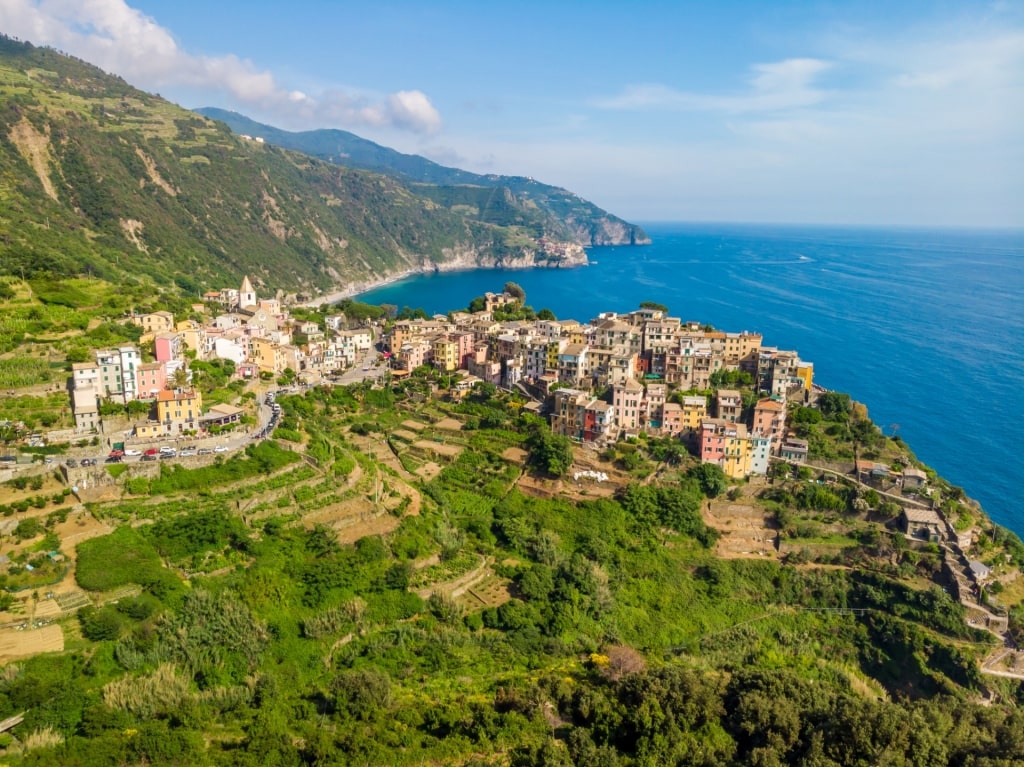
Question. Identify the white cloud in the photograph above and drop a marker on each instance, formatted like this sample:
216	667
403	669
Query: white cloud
123	40
413	110
777	85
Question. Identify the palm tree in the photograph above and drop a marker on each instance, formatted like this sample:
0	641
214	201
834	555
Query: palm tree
179	379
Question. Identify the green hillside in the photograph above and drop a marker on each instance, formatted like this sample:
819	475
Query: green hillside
100	179
421	591
576	218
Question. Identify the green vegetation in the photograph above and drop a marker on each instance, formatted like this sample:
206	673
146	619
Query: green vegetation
498	200
132	179
123	557
595	631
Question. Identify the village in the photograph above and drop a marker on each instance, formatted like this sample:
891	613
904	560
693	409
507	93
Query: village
610	378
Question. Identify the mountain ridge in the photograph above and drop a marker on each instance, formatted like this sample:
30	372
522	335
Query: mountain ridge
100	178
583	220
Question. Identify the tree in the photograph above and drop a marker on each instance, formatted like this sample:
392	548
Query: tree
361	693
516	291
179	379
408	313
484	390
653	305
549	452
835	406
806	415
546	314
712	479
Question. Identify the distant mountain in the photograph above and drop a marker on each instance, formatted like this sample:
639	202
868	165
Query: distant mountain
582	220
100	178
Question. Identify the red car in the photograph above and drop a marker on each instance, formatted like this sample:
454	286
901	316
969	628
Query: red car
151	451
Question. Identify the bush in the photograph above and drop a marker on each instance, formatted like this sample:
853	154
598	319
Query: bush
361	694
100	624
125	556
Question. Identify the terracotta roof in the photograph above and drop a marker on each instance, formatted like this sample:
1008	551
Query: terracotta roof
168	395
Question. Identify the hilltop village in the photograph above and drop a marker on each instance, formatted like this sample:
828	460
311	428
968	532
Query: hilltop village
613	377
722	397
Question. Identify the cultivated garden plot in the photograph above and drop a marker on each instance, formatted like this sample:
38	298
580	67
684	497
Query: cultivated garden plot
746	530
20	643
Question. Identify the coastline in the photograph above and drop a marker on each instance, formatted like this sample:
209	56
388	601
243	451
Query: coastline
357	288
366	286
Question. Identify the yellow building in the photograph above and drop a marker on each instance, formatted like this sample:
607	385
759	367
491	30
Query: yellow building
156	322
178	410
805	372
446	354
738	453
268	355
193	334
554	349
695	410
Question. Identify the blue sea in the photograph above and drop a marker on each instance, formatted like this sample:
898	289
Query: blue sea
925	327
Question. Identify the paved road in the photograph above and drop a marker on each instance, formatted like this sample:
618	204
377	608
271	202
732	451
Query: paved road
366	369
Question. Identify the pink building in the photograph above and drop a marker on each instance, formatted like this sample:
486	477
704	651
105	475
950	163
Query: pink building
672	419
150	379
466	343
167	347
770	420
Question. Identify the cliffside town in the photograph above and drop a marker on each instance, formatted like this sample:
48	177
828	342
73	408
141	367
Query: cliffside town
611	377
619	375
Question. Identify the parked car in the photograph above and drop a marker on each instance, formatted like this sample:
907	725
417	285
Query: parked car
167	450
188	452
148	457
221	449
205	450
132	452
152	451
71	463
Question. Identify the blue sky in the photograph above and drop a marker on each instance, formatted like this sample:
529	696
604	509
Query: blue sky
805	112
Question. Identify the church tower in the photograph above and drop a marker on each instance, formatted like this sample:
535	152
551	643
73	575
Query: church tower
246	294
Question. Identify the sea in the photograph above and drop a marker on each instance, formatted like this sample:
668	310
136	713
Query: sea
923	326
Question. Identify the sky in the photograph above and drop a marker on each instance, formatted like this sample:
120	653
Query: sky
866	113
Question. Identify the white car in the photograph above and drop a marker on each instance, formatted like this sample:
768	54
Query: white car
131	451
221	449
